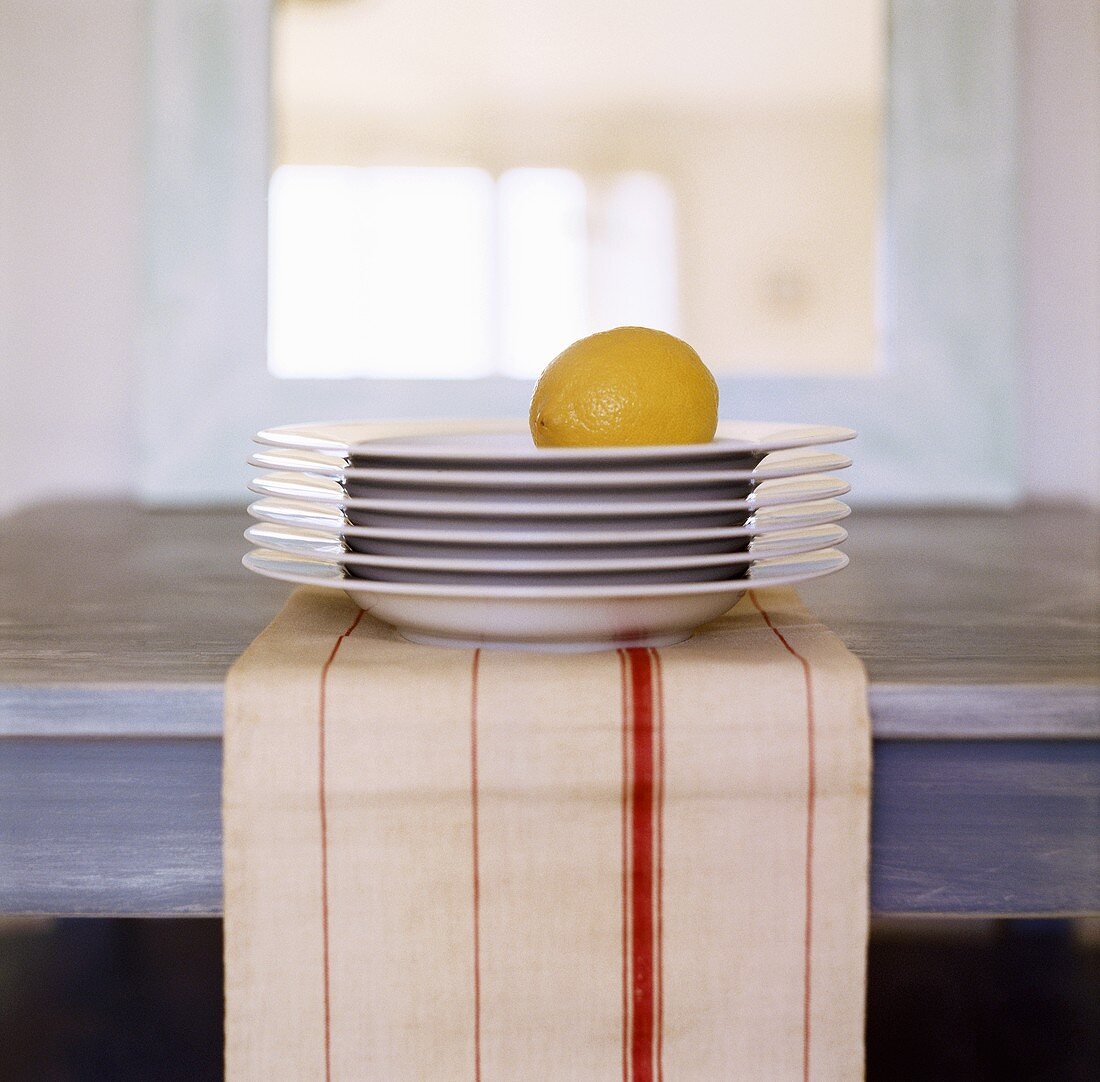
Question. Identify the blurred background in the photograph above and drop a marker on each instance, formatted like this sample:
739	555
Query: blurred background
222	214
870	213
712	168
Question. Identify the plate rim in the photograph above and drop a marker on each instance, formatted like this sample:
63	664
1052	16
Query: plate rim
473	536
451	591
553	566
564	510
549	479
285	436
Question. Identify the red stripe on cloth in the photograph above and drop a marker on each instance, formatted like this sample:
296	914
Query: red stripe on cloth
625	800
811	799
660	694
476	865
641	799
322	802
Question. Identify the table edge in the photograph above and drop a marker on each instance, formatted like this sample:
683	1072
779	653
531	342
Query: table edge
899	711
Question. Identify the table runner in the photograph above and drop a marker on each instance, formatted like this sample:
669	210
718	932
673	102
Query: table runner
456	864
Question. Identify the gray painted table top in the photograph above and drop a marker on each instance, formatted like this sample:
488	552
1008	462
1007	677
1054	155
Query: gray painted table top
120	622
979	631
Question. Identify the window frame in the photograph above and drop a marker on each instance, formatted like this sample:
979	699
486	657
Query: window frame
937	421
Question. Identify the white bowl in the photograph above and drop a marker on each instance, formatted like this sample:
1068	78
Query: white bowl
542	508
555	618
465	540
702	477
505	559
507	444
510	566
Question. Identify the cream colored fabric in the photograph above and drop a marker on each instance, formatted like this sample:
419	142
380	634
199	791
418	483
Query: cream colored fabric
458	865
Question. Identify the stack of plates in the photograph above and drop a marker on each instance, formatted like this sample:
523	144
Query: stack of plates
474	537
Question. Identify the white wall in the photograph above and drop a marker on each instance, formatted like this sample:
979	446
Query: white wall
70	192
71	92
1060	189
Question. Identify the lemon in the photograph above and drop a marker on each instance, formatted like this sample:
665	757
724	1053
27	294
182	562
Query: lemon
627	387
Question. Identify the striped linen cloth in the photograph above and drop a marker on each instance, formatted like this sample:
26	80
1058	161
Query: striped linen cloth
628	866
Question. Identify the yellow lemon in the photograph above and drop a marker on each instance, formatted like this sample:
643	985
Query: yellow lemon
628	387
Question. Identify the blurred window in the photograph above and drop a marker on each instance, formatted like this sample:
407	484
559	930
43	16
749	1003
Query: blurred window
443	272
462	189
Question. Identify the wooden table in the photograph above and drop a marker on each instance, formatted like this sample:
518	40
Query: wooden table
979	631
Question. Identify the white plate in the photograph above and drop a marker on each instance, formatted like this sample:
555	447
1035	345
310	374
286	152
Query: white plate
493	563
557	618
330	521
296	486
338	437
494	444
777	465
